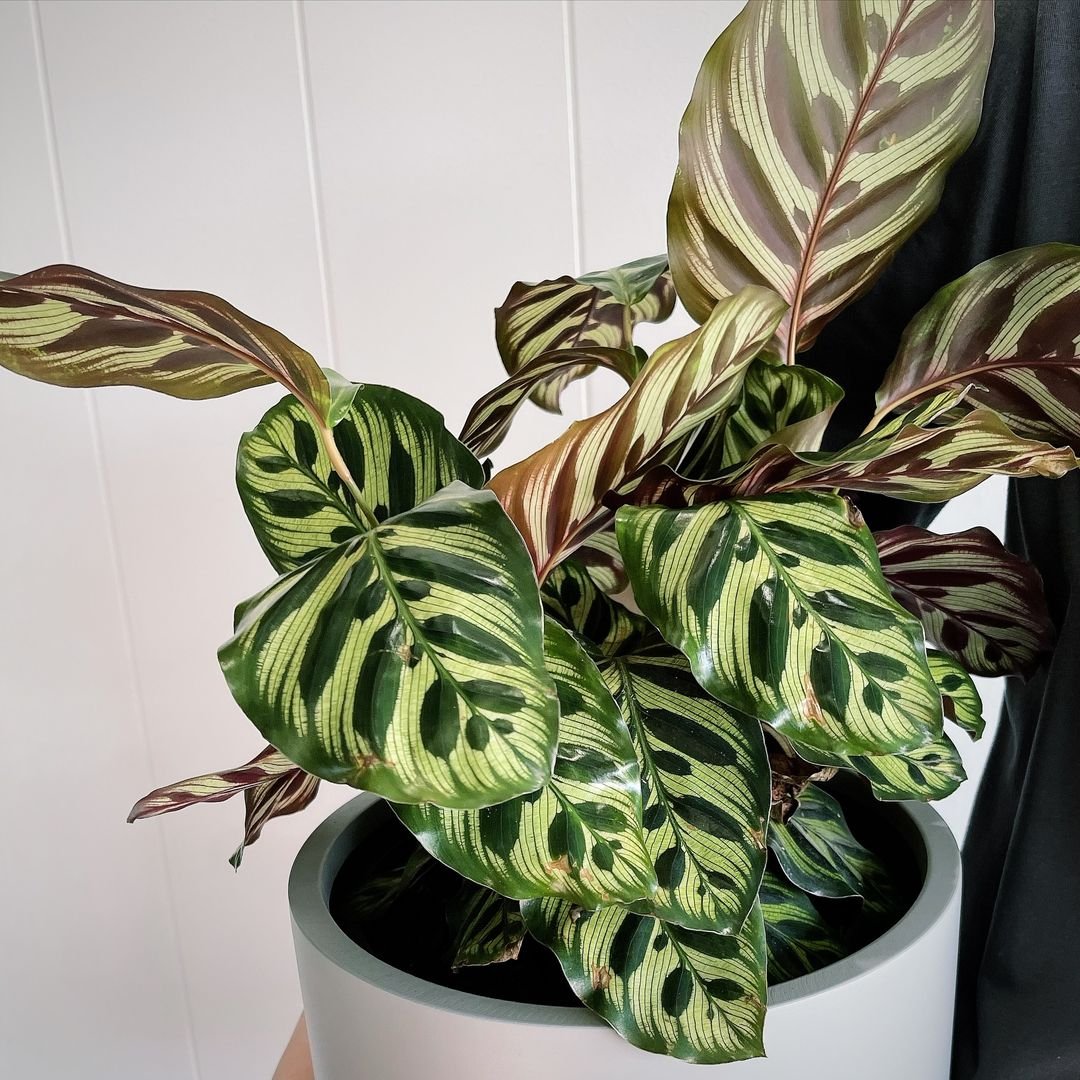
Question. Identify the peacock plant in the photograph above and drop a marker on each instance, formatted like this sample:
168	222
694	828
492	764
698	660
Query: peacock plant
610	684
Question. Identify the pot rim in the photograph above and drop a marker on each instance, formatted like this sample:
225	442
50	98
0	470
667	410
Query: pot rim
319	861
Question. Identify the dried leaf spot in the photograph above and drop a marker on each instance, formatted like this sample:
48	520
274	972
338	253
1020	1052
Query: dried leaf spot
369	761
601	977
559	866
404	652
810	707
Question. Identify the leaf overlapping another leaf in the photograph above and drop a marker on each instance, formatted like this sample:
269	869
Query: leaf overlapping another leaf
556	497
977	601
960	699
485	928
816	141
407	661
797	938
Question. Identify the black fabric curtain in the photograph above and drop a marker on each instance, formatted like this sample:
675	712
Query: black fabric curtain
1018	993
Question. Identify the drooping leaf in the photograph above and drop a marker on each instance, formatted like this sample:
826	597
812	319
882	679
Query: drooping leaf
819	855
977	601
797	938
485	928
779	403
407	661
71	327
908	457
579	836
781	608
705	786
594	311
931	772
959	699
396	449
664	988
571	596
1007	331
556	497
816	141
286	794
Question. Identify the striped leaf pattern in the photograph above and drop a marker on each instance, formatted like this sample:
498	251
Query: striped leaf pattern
705	786
1006	330
664	988
580	836
286	794
395	447
485	928
817	852
71	327
602	560
816	141
781	608
790	405
407	661
931	772
959	699
556	497
597	310
976	600
797	938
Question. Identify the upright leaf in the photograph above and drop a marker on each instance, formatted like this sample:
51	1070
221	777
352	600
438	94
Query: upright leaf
781	608
664	988
580	836
72	327
977	601
1007	331
557	496
408	661
395	447
705	785
816	141
797	938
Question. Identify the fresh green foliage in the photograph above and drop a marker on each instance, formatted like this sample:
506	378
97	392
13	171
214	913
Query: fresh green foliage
593	764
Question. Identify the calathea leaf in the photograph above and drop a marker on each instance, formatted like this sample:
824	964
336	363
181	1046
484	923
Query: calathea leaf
664	988
72	327
909	457
781	608
977	601
959	699
407	661
286	794
797	938
819	855
1007	331
779	403
579	836
705	785
602	560
816	141
397	452
594	311
556	497
931	772
485	928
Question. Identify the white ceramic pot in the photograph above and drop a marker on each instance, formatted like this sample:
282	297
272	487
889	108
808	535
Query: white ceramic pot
883	1012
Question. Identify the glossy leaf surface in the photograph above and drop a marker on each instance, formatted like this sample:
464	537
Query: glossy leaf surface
959	699
931	772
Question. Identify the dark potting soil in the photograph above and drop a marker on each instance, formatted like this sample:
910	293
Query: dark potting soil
412	934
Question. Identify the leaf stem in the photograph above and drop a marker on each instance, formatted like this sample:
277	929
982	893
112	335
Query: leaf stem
337	463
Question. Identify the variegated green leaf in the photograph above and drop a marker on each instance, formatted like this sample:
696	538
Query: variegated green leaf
816	141
1006	331
977	601
395	447
594	311
960	700
557	497
931	772
797	938
664	988
407	661
578	837
781	608
705	785
790	405
819	855
72	327
485	928
600	556
571	596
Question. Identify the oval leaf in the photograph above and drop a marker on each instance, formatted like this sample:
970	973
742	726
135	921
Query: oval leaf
931	772
580	836
396	448
781	608
687	993
816	141
408	661
959	699
797	938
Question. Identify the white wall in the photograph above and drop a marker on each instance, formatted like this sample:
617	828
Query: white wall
370	178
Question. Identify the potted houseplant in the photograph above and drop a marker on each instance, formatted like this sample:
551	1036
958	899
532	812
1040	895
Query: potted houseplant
635	708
